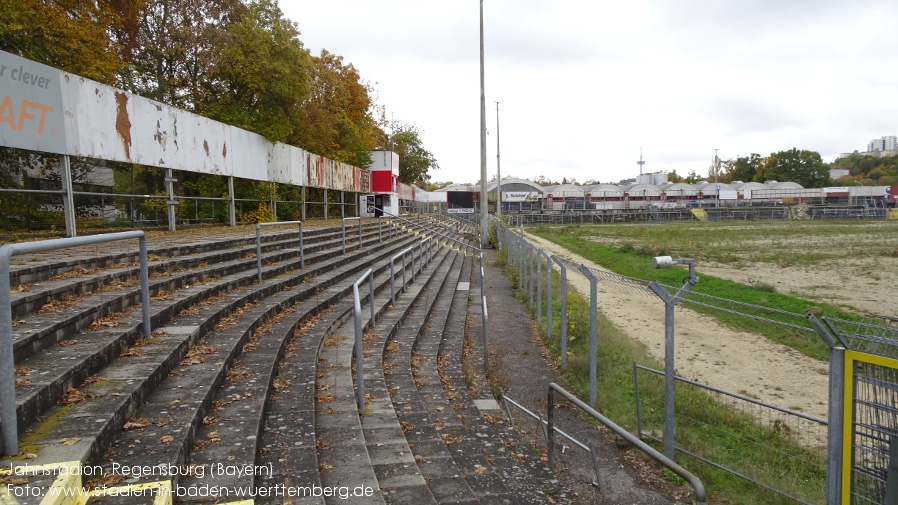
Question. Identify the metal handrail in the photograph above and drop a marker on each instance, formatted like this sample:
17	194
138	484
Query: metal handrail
442	235
8	421
357	310
700	496
400	255
302	259
344	231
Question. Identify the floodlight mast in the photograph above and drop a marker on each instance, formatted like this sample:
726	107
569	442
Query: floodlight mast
484	206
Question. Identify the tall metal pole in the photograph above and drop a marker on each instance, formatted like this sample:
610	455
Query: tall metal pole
716	170
484	205
498	171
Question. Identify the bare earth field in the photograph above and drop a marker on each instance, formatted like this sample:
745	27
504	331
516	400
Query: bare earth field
708	352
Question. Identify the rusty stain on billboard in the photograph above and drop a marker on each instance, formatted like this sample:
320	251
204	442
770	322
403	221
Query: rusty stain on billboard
122	121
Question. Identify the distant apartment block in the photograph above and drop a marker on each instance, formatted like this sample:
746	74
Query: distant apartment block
887	143
885	146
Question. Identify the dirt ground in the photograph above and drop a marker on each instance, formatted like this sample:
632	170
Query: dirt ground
709	352
860	284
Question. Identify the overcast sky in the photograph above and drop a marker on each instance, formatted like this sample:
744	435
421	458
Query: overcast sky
584	85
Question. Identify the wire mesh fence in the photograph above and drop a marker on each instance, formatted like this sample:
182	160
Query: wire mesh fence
872	368
723	429
874	427
872	335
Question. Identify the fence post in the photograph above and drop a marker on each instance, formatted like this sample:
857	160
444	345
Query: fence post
670	303
486	341
548	297
563	310
835	428
539	285
68	198
593	331
232	207
521	257
531	269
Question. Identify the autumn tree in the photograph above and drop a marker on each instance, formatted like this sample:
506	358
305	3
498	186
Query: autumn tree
172	45
415	162
259	76
71	35
336	121
804	167
743	168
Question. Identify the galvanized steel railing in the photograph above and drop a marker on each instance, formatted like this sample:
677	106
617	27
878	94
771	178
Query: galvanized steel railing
359	357
344	231
8	421
549	425
696	483
302	259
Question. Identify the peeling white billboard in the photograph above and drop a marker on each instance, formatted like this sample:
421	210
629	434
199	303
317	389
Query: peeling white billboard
45	109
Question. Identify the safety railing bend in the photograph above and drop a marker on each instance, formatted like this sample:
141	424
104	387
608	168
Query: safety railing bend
357	309
302	259
700	497
8	421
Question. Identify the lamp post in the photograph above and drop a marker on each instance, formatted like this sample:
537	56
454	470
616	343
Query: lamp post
484	205
716	170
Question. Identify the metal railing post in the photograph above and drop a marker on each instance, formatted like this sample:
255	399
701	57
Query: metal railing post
486	353
563	310
259	251
302	259
548	297
550	428
359	354
593	331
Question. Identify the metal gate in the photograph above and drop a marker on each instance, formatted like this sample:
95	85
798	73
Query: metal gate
869	459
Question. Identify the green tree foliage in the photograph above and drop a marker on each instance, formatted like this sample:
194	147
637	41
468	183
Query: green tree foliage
804	167
868	170
259	77
336	119
171	45
415	161
743	168
674	177
72	35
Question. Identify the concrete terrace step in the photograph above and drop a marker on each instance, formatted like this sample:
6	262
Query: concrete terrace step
399	477
443	476
346	457
74	359
237	412
126	389
80	279
522	471
251	402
